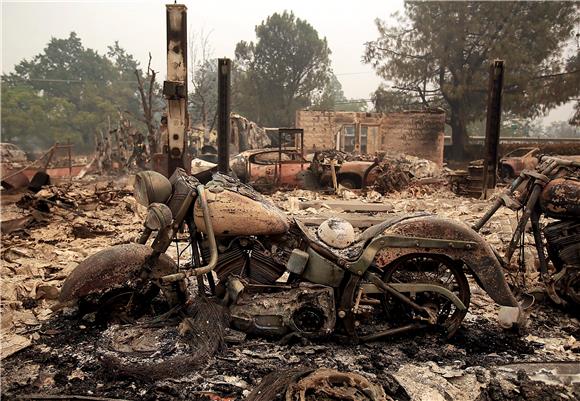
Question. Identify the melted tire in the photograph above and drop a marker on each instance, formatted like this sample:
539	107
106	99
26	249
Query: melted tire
157	348
449	317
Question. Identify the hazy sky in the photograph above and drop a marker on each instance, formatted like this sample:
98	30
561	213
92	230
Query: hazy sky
139	26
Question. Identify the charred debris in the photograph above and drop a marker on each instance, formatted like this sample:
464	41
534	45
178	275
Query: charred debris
49	353
231	340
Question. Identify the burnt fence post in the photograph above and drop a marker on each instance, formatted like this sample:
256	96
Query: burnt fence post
492	127
224	92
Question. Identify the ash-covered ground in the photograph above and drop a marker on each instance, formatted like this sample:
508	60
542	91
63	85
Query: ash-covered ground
48	353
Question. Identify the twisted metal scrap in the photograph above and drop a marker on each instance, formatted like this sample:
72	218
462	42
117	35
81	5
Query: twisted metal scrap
335	385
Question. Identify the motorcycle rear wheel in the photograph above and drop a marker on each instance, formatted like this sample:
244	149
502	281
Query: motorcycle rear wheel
383	312
435	269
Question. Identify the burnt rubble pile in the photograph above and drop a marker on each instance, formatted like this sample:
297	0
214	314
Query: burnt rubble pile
45	235
396	172
325	156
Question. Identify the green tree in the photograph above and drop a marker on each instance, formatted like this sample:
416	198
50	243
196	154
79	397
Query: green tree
442	50
33	120
392	101
561	129
283	71
332	98
77	89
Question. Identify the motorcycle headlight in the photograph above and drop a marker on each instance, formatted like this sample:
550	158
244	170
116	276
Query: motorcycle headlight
151	187
158	216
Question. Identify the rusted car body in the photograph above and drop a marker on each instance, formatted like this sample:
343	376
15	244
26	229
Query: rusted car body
352	174
287	168
269	167
518	160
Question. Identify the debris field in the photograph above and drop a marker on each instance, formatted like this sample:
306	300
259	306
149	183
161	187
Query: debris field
48	353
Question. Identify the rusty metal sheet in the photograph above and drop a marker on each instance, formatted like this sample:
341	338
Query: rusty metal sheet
16	181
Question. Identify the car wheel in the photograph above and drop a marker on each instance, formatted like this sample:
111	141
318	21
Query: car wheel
506	173
349	183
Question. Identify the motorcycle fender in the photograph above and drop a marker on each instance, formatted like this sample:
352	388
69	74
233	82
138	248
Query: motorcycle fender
469	247
110	268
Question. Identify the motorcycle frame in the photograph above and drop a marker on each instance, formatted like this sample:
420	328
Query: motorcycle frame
358	268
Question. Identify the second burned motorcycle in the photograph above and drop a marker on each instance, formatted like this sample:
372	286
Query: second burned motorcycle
277	276
548	194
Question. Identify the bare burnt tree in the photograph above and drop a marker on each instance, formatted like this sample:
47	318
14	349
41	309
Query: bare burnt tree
147	104
203	78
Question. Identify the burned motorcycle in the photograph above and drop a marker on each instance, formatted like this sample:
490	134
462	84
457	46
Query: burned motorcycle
278	277
551	191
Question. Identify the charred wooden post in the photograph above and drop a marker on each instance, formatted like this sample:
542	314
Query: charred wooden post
492	128
69	150
175	88
224	79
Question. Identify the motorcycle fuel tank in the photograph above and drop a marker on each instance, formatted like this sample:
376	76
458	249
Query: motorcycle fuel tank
236	213
561	198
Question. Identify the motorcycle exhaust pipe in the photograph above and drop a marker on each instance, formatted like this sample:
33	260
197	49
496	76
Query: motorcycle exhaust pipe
171	278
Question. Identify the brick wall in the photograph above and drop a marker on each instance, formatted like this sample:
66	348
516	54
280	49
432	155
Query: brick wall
319	129
419	134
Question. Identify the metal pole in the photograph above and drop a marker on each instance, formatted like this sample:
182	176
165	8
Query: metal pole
492	128
175	87
223	139
69	160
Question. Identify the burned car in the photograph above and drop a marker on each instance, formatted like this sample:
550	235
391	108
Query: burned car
351	171
266	169
518	160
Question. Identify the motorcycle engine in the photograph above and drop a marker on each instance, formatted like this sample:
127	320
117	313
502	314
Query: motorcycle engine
563	239
564	243
259	260
243	257
307	309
